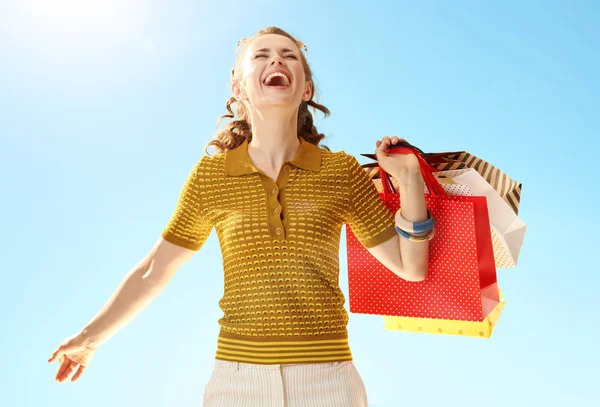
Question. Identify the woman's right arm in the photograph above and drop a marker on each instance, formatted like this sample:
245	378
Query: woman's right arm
138	289
190	229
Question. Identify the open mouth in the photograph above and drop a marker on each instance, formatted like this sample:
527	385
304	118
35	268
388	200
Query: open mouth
277	79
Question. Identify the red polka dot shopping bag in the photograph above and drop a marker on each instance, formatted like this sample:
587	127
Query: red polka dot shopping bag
461	285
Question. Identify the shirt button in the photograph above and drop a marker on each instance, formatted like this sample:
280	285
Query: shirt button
287	169
278	231
277	210
274	192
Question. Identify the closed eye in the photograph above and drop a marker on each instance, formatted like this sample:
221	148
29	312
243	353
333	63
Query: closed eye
265	56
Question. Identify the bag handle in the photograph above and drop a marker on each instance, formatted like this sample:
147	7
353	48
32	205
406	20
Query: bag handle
431	158
427	170
438	158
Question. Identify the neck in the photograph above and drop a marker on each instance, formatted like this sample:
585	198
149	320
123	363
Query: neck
274	138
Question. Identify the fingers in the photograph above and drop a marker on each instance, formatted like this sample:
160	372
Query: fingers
78	373
66	368
78	356
385	142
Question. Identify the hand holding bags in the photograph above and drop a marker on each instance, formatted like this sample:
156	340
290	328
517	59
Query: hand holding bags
471	175
509	189
461	284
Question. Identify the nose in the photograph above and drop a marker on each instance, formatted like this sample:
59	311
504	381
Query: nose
277	59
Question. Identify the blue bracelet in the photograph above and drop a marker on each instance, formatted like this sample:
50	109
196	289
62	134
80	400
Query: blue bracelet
422	238
414	228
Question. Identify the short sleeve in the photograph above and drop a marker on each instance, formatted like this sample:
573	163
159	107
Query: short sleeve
370	220
188	226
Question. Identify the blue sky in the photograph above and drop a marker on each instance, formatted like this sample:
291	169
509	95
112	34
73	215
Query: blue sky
106	106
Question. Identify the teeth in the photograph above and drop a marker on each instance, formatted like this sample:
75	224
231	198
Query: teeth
271	76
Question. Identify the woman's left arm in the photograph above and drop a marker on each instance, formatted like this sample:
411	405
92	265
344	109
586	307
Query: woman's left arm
410	259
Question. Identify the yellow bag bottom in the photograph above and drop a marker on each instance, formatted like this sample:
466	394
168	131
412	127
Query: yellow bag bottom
477	329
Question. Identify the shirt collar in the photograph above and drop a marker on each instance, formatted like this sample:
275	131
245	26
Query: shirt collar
238	162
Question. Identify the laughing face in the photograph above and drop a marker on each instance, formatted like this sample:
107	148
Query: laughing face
272	74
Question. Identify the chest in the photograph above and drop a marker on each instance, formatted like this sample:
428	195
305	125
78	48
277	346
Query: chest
280	202
273	174
270	173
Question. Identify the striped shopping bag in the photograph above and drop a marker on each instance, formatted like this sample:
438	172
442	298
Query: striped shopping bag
509	189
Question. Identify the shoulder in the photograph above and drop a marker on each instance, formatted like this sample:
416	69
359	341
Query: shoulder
204	169
347	160
343	161
210	163
333	162
337	157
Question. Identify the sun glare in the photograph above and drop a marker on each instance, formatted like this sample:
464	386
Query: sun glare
93	21
73	10
82	39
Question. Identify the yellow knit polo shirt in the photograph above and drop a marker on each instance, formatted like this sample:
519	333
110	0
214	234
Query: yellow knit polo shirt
280	243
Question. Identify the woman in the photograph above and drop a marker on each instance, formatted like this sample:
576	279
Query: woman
278	202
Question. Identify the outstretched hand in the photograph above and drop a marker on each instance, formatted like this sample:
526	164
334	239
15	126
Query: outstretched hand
73	353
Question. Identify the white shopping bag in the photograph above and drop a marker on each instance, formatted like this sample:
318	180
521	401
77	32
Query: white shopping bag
508	230
508	227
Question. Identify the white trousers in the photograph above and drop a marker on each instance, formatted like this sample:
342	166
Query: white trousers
332	384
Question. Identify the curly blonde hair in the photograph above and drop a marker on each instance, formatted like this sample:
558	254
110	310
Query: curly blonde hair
236	131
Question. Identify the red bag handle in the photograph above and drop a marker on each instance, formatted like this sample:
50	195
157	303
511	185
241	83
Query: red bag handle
427	171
